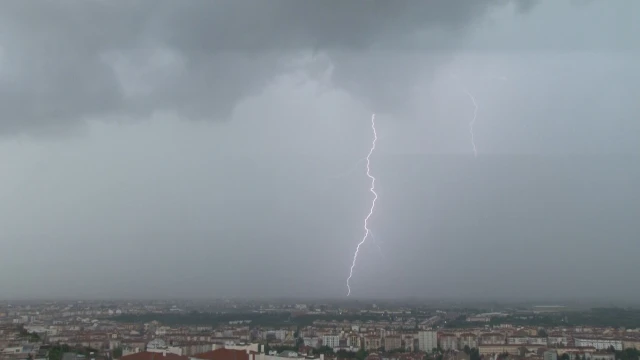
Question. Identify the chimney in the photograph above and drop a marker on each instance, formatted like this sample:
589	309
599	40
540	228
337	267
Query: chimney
164	352
321	356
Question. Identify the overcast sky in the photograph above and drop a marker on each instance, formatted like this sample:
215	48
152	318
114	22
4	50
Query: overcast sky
194	148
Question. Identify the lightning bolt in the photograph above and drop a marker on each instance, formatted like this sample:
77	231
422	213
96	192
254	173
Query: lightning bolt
376	243
373	202
473	121
475	113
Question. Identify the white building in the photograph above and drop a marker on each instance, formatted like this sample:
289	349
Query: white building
156	344
449	342
313	341
600	344
557	340
427	340
468	339
527	340
332	341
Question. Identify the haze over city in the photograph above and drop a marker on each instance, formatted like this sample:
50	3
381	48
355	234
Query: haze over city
190	149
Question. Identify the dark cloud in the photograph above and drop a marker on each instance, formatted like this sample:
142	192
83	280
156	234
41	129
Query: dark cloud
68	60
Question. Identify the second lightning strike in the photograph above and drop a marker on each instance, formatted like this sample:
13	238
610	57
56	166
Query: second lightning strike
473	121
373	202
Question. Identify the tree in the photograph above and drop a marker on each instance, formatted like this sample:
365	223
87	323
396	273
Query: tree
117	353
565	356
542	333
467	349
474	354
324	350
344	354
361	354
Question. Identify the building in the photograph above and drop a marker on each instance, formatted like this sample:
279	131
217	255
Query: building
410	343
372	343
220	354
550	355
448	342
392	342
557	340
332	341
313	341
146	355
492	339
631	344
527	340
500	349
427	340
599	344
601	356
468	339
353	340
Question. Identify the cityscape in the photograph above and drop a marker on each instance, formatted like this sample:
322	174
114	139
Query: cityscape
279	330
319	179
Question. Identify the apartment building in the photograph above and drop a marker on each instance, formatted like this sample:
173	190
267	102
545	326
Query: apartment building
448	341
550	355
527	340
499	349
468	339
332	341
600	344
372	343
392	342
557	340
353	340
427	340
492	339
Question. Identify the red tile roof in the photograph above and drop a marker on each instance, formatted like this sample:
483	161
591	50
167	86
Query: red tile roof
147	355
223	354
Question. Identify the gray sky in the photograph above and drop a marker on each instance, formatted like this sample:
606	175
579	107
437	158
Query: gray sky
163	148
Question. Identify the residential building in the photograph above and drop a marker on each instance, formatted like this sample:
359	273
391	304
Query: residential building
448	342
313	341
372	342
492	339
218	354
392	342
427	340
353	340
499	349
410	343
332	341
557	340
468	339
550	355
599	344
631	344
601	355
146	355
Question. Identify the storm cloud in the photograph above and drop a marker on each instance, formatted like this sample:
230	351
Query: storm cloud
66	61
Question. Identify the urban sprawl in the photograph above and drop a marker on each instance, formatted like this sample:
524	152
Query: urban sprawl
234	330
